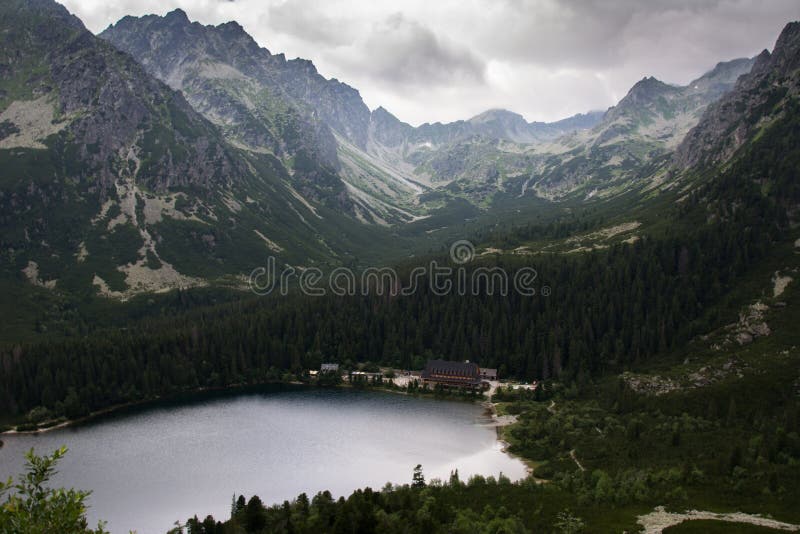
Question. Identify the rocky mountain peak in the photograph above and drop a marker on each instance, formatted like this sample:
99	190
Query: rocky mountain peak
381	115
170	46
499	115
726	72
762	63
647	89
755	100
386	129
49	9
380	110
787	48
177	16
637	105
233	28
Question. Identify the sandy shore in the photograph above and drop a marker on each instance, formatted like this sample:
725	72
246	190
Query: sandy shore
498	422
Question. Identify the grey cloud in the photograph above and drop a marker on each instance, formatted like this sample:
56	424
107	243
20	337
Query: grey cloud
448	59
598	34
403	51
300	19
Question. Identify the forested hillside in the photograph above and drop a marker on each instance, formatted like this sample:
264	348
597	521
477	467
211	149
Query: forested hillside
608	309
703	428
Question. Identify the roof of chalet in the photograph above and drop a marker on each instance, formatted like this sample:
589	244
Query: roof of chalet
444	370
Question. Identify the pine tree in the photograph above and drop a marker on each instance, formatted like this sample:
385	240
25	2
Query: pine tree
418	479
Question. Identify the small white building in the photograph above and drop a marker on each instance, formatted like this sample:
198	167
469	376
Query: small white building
488	374
329	368
365	374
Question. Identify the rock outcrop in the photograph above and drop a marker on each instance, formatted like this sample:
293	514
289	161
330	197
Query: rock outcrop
756	100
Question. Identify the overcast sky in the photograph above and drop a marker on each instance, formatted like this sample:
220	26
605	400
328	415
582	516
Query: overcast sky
443	60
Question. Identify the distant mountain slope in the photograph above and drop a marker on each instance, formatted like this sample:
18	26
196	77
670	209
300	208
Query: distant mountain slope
758	99
264	103
60	80
380	170
497	124
631	142
498	155
179	51
240	87
585	155
370	164
113	183
664	113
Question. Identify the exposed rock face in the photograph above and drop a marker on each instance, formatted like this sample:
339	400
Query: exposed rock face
262	102
387	130
111	175
657	111
591	153
751	325
496	124
336	103
650	384
630	146
201	60
111	112
755	101
259	100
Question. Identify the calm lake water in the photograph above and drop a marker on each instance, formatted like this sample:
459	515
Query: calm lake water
149	467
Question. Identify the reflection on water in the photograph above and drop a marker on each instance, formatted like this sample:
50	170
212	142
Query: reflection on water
149	468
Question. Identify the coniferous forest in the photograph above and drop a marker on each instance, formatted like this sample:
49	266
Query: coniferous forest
607	310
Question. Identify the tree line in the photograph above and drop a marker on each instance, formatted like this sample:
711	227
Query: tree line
607	310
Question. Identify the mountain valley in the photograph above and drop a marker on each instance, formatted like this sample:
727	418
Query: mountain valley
148	170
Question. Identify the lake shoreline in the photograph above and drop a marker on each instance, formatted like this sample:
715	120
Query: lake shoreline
198	394
234	389
275	445
59	424
500	422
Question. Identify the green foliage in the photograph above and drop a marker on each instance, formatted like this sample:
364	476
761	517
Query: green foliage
418	479
460	508
568	523
609	309
32	507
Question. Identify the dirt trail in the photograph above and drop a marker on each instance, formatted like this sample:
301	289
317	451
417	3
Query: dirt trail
552	410
489	393
575	459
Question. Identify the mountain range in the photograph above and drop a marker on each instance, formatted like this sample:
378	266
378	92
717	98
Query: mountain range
164	153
